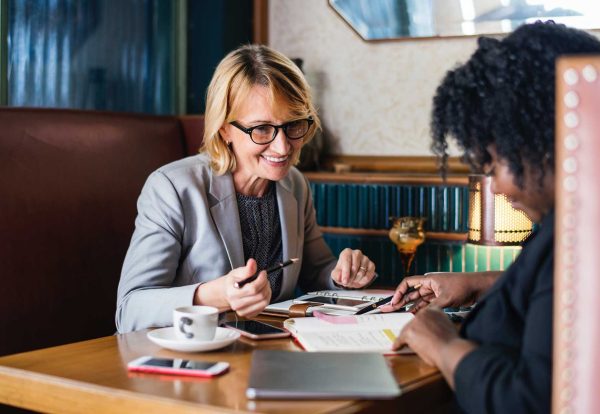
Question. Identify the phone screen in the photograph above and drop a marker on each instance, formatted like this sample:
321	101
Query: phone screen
255	327
179	363
335	301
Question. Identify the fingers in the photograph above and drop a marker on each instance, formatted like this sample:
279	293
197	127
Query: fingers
398	299
250	299
403	296
242	273
364	274
353	269
252	306
417	305
412	300
345	266
249	306
256	286
401	339
398	343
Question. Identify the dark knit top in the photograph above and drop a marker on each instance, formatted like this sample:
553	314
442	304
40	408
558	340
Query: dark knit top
261	233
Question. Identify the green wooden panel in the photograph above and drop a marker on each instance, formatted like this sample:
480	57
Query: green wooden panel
470	258
495	259
370	205
446	258
481	258
432	256
457	258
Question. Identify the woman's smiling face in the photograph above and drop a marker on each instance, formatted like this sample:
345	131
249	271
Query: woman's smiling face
257	165
533	200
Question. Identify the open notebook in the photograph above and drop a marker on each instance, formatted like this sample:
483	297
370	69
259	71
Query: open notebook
364	333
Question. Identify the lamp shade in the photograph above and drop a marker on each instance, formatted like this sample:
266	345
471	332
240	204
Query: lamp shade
492	220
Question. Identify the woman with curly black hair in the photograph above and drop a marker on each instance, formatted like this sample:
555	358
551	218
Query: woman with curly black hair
499	107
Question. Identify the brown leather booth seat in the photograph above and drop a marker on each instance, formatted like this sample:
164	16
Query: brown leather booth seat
69	182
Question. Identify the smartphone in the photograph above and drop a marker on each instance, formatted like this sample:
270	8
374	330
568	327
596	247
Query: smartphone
343	303
177	366
256	329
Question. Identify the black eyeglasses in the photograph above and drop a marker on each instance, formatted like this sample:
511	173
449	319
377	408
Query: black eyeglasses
265	133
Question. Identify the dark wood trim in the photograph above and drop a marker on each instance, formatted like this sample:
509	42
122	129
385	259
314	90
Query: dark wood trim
404	164
384	178
260	22
430	235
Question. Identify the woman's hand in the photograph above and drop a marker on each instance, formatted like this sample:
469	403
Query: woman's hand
441	289
353	269
435	339
248	301
253	297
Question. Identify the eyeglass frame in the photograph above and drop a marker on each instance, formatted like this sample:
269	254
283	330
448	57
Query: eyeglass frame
283	127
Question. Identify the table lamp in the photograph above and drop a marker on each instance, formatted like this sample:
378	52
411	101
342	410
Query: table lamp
492	220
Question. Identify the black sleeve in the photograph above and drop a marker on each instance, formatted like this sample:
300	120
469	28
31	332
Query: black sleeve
501	379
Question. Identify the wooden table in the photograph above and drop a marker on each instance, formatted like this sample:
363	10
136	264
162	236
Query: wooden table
91	376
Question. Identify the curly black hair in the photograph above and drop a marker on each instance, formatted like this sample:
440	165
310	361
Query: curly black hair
504	94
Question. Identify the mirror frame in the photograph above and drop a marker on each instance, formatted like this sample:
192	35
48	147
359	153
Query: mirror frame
486	23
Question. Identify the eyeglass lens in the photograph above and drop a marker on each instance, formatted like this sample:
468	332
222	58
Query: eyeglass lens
293	130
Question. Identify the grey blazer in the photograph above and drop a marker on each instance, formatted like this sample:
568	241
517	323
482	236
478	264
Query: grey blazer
187	232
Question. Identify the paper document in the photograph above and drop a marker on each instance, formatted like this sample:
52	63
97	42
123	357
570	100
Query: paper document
364	333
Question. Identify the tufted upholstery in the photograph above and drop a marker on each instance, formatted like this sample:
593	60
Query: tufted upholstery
69	181
576	371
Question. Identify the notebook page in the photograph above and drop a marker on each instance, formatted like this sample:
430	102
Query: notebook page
394	321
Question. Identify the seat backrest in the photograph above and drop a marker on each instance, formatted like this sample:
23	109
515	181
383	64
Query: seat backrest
576	371
69	181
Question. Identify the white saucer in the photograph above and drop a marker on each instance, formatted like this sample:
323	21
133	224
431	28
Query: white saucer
166	338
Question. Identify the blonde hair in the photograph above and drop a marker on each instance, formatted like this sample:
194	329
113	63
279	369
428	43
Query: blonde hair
236	74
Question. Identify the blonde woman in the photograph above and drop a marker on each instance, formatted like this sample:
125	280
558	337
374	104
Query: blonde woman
208	221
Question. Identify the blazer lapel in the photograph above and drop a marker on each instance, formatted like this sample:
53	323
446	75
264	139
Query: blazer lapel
288	215
226	217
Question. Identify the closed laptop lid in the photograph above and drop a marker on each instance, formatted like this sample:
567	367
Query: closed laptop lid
320	375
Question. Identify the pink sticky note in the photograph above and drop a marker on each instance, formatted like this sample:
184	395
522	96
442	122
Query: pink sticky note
336	319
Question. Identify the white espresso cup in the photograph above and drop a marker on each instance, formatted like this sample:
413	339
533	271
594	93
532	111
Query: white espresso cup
195	323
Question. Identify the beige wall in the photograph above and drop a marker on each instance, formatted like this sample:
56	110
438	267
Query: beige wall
374	98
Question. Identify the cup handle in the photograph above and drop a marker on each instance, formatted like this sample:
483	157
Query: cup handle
182	323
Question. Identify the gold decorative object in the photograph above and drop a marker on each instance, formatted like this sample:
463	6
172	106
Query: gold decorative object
407	234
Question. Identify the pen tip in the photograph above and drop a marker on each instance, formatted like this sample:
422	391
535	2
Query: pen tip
295	259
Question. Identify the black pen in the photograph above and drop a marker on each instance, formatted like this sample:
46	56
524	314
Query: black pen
385	301
278	266
411	289
374	305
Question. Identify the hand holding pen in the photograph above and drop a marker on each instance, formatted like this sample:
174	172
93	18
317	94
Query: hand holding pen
444	289
384	301
247	302
407	295
272	269
374	305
